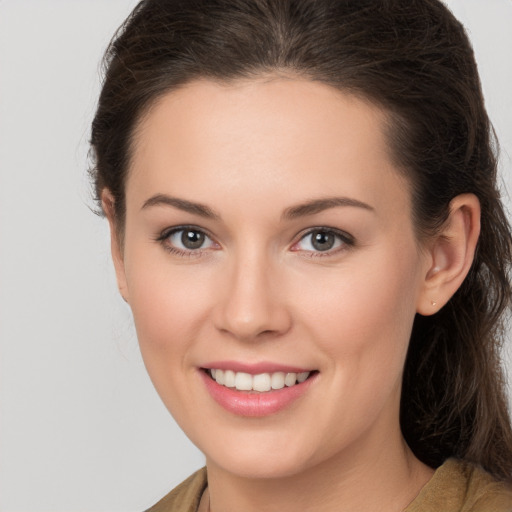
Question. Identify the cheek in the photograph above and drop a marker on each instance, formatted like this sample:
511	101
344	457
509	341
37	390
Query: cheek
362	326
169	307
169	303
363	316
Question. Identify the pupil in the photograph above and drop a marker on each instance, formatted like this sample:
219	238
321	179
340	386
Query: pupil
192	239
322	241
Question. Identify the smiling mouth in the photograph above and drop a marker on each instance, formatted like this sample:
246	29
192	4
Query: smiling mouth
261	383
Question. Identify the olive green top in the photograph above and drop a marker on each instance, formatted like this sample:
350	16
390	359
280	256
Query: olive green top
455	487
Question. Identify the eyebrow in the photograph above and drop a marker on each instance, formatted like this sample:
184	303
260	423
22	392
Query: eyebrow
301	210
319	205
182	204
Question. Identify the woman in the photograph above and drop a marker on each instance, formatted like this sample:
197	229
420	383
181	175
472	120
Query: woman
305	223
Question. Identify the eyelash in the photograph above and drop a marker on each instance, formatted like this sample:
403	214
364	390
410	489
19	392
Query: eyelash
163	239
347	241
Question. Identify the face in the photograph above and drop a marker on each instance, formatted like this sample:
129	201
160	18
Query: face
269	244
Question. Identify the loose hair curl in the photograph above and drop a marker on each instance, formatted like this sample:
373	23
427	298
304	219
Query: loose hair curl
413	59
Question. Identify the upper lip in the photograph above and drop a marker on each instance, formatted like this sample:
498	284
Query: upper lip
255	368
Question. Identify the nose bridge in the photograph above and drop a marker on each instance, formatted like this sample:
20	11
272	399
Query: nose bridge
252	303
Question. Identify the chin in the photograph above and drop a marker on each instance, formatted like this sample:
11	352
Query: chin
245	467
255	460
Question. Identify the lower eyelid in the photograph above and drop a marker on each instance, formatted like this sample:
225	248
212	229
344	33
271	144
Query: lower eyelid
183	253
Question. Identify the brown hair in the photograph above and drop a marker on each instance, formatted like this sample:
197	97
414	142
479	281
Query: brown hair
412	58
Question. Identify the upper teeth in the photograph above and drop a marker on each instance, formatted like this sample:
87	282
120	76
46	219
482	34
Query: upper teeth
261	382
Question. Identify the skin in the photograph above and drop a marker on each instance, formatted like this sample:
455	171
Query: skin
258	290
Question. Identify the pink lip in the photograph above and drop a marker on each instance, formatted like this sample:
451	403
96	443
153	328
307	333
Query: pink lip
255	368
254	404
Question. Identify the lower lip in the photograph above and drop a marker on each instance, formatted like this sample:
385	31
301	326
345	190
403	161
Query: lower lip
255	404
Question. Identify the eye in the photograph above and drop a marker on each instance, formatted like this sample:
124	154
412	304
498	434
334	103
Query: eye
323	240
186	240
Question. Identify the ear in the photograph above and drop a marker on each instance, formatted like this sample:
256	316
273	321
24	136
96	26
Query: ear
451	254
108	204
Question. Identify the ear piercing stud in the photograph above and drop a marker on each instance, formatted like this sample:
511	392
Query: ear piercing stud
433	302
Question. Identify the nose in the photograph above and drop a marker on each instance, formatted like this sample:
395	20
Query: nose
252	303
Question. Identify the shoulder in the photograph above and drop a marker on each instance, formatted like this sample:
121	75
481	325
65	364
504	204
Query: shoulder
459	486
185	497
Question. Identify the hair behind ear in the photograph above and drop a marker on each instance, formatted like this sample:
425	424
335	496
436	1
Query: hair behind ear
453	399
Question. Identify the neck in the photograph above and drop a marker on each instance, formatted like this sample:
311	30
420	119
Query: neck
385	479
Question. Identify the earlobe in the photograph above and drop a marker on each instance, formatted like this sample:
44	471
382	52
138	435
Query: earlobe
108	205
451	254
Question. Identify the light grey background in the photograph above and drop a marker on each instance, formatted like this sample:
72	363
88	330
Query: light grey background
81	428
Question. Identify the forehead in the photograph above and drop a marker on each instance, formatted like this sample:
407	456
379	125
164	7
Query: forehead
301	136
